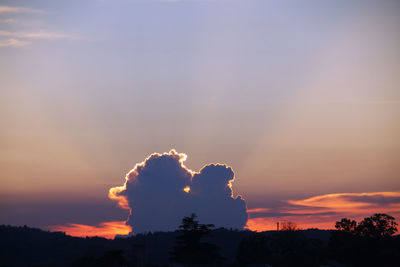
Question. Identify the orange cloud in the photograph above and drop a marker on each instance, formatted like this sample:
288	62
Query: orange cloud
258	210
122	201
324	210
104	229
353	202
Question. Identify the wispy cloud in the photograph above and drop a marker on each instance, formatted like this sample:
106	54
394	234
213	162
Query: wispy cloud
39	35
384	102
16	10
23	38
258	210
9	21
104	229
20	22
13	43
322	211
352	202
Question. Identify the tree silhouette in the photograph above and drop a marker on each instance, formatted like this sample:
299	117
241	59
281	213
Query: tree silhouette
254	249
280	249
377	226
368	243
346	225
113	258
289	226
189	250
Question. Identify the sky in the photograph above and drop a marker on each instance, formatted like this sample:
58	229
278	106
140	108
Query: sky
300	99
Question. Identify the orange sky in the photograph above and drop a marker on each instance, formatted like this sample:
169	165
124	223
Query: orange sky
105	229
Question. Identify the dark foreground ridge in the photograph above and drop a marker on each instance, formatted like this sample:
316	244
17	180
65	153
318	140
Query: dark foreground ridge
198	245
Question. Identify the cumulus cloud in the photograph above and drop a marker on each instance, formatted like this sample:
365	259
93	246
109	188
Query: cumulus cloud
161	190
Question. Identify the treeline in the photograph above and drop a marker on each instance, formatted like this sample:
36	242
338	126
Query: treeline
366	243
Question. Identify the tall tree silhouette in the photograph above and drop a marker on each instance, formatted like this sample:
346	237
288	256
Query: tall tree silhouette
377	226
189	248
367	243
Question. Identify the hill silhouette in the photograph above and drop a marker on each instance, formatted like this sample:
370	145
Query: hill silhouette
25	246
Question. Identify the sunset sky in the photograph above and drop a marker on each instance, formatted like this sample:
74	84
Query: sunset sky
300	98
